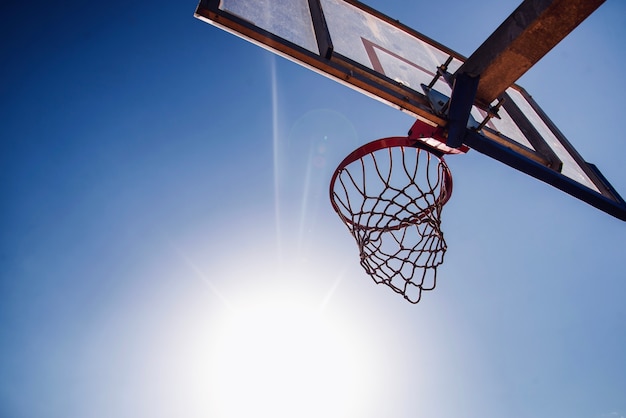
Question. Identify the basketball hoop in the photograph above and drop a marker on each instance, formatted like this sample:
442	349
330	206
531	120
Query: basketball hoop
390	194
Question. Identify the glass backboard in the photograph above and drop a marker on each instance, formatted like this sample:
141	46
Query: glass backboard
368	51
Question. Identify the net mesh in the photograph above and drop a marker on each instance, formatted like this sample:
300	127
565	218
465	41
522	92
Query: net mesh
390	196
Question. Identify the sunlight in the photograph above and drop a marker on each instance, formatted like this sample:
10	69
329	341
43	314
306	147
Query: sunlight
278	357
275	149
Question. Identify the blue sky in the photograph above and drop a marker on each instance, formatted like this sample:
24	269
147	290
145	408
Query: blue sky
168	248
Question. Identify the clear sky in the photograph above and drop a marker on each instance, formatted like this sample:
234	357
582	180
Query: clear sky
167	247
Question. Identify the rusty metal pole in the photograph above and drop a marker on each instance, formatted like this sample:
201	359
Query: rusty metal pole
532	30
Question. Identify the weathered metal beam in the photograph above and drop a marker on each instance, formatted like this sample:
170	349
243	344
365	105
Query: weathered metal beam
532	30
612	203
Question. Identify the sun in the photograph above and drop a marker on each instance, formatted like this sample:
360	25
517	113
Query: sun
282	357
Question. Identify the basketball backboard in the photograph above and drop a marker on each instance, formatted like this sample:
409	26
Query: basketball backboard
368	51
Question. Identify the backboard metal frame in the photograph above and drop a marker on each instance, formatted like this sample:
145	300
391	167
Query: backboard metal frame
328	62
546	155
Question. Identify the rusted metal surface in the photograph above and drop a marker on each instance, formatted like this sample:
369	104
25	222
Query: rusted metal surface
532	30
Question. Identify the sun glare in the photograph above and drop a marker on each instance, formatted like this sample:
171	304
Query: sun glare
280	358
282	354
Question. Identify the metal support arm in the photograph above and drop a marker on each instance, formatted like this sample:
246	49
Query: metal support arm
613	205
463	93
